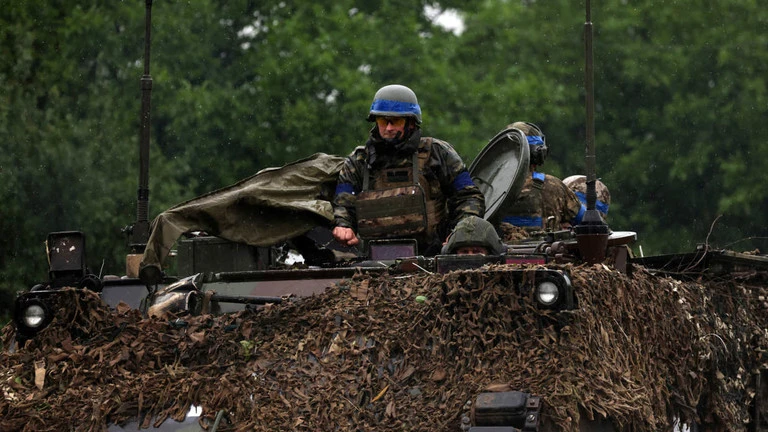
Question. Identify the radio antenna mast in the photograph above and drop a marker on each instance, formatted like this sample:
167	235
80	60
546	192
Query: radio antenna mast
592	234
139	231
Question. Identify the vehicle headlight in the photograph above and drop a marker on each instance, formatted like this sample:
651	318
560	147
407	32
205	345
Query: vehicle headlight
33	316
547	293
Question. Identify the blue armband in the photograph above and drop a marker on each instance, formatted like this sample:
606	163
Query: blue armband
577	220
345	188
462	180
523	221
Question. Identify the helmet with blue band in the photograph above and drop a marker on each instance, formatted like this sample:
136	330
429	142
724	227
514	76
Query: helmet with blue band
537	142
578	184
395	100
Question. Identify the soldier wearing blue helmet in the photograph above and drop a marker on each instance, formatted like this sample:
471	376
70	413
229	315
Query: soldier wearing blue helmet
401	184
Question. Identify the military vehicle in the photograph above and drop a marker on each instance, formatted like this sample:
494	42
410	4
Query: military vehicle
216	275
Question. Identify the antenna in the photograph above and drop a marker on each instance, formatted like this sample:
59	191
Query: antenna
589	87
592	234
139	231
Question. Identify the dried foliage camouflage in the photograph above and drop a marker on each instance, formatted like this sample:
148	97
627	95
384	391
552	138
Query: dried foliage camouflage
366	356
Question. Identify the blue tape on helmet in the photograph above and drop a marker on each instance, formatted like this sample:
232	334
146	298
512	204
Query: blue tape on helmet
538	176
391	106
599	205
345	188
577	220
462	180
535	140
523	221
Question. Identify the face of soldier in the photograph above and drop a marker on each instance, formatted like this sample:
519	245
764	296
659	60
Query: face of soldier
471	250
389	127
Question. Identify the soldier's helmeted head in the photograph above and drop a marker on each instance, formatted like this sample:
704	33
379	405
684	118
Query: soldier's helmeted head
395	100
537	142
471	234
397	114
578	184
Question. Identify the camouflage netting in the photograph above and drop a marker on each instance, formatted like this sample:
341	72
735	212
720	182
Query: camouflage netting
510	233
366	355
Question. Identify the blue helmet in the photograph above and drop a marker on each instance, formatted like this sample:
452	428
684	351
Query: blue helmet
395	101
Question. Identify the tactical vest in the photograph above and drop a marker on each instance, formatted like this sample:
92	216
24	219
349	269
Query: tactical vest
526	210
401	202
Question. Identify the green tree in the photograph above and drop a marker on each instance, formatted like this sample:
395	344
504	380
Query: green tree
685	147
680	96
243	85
237	87
63	121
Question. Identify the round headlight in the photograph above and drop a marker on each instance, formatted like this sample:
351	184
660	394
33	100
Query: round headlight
547	293
33	316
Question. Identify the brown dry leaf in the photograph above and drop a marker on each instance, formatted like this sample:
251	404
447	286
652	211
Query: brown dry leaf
438	374
160	419
502	387
55	358
123	356
337	344
390	412
39	374
197	337
300	394
122	308
381	393
360	290
285	401
405	373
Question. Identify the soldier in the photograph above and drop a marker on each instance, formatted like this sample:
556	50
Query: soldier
474	236
400	184
543	196
578	184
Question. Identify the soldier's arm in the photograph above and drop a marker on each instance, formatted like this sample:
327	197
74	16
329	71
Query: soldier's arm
463	196
347	188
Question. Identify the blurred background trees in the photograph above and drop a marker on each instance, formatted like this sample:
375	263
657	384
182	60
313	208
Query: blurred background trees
242	85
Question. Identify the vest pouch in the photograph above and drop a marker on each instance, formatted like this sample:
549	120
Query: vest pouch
391	213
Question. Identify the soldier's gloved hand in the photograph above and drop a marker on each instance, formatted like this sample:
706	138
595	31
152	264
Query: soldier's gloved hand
345	236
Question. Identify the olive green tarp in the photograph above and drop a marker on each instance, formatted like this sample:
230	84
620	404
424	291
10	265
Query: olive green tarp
271	206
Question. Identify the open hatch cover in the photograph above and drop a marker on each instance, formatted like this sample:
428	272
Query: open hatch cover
500	168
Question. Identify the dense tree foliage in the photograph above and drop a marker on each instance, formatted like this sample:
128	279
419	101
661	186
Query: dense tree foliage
243	85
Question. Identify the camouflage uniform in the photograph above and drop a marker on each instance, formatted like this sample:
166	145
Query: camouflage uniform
542	196
560	202
446	175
